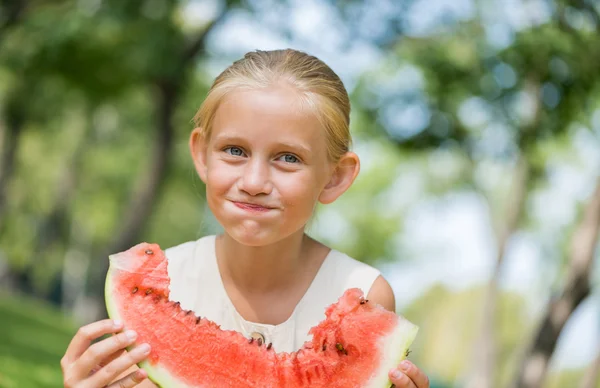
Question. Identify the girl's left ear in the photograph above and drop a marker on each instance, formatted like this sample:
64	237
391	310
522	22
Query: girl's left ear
343	176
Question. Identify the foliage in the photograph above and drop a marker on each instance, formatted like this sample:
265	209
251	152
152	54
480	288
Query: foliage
33	338
448	322
88	88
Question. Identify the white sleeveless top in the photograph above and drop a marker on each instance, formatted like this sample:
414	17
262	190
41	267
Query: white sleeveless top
196	283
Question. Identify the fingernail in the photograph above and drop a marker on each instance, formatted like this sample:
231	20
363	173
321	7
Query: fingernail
140	374
117	324
144	348
395	373
405	365
131	334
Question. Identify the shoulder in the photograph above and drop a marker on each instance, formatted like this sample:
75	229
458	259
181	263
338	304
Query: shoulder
188	249
365	277
350	266
352	273
381	293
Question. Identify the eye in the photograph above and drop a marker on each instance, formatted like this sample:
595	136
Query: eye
289	158
234	151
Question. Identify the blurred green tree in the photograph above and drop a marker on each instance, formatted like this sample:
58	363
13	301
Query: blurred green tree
505	105
91	90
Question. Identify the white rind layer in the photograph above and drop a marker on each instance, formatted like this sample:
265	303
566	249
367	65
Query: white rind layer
163	378
395	346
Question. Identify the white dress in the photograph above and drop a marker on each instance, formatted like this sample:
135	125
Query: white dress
196	283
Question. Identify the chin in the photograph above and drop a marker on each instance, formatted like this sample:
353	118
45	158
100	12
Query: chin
253	239
253	234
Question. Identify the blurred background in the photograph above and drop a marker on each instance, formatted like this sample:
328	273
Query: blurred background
477	123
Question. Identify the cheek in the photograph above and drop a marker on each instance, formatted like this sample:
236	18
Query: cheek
219	177
299	191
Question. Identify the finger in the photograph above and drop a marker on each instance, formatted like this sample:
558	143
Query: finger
131	380
98	353
128	359
415	374
400	380
106	361
86	334
110	358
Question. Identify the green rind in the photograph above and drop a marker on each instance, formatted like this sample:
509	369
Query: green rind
396	345
159	378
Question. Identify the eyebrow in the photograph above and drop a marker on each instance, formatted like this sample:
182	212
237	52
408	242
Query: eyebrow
237	139
299	147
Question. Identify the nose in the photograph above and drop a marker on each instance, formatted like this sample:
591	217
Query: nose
256	179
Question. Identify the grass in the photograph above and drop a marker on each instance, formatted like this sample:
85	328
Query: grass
33	338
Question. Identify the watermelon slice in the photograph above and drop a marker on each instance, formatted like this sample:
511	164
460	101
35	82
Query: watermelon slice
354	346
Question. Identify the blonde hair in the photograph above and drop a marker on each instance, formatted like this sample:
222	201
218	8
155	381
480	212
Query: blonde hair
321	90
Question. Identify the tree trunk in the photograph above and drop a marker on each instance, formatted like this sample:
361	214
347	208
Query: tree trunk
576	289
76	264
482	373
10	14
144	197
591	378
142	201
12	133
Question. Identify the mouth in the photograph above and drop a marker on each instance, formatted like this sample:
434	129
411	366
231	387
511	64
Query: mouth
252	206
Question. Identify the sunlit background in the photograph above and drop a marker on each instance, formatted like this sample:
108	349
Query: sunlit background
477	124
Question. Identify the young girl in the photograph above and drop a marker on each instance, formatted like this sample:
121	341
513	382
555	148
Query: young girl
271	141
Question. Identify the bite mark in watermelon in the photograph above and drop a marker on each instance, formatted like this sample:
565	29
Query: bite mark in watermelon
354	346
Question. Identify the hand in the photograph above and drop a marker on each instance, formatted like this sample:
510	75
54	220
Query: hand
407	375
96	366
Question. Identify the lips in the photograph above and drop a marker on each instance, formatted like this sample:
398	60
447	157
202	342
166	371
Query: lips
252	206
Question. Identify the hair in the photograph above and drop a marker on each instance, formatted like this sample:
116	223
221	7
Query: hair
320	89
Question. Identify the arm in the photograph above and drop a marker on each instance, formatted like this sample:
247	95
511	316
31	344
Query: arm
381	293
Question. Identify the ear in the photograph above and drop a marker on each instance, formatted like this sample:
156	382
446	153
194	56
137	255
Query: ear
198	146
342	178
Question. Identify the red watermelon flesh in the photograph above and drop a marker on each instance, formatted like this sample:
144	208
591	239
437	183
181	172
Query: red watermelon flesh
354	346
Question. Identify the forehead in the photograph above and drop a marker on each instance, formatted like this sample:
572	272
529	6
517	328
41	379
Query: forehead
275	113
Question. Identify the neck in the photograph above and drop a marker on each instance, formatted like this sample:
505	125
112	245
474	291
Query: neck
261	269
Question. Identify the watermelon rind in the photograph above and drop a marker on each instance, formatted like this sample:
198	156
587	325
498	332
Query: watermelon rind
158	375
395	347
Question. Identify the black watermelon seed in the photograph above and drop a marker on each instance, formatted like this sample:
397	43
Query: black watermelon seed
149	252
135	289
269	345
149	291
198	320
324	347
251	340
259	341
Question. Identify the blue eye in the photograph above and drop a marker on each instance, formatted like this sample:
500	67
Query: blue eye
289	158
234	151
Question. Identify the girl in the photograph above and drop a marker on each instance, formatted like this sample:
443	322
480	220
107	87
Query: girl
271	141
